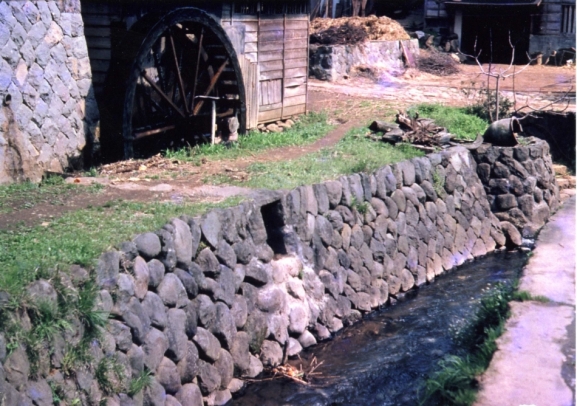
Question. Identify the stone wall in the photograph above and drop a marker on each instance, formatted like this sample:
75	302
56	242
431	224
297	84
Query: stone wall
520	184
204	302
48	110
334	62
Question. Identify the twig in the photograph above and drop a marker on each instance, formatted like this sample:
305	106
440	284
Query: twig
500	74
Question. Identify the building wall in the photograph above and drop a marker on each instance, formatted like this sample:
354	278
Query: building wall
547	26
48	111
548	32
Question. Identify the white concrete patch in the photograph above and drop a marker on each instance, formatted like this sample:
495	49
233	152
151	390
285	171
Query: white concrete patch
526	369
552	268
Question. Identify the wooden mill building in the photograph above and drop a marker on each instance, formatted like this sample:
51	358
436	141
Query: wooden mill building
159	65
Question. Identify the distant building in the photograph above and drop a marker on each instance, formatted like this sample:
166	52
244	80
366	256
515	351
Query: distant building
534	26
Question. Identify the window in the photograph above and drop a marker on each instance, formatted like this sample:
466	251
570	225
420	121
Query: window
568	19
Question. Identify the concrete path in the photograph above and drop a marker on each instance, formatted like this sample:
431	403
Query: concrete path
535	360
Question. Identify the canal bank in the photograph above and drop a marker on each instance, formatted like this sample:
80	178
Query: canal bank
535	360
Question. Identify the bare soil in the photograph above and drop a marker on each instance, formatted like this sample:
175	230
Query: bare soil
349	103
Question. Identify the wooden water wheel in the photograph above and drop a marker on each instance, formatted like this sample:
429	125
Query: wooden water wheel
170	66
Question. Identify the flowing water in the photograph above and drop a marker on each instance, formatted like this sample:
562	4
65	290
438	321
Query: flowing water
385	358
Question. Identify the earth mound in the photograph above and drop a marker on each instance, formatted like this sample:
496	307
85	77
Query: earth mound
354	30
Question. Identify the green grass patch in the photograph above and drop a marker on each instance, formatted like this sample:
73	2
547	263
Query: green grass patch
307	129
142	381
524	296
457	120
354	153
79	237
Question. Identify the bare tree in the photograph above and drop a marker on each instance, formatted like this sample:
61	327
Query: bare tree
499	74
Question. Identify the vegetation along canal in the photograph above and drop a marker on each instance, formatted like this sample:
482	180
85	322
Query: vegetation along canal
386	358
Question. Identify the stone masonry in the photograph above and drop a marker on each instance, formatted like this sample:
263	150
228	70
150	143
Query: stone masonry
335	62
519	184
204	302
48	112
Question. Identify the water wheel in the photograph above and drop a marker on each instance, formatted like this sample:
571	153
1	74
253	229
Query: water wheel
172	68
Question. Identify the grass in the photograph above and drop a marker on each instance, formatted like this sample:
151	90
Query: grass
307	129
110	375
457	120
142	381
354	153
455	381
51	190
79	237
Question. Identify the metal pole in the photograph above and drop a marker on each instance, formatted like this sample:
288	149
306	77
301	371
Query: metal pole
213	122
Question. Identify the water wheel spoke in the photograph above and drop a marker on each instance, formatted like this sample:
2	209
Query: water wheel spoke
161	93
210	86
178	75
195	83
158	64
145	133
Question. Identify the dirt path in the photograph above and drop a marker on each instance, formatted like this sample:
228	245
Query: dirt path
537	86
348	104
183	181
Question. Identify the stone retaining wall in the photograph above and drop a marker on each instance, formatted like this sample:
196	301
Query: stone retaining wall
520	184
204	302
48	111
334	62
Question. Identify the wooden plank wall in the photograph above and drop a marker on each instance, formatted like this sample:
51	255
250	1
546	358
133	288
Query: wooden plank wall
278	46
434	9
98	18
283	64
250	78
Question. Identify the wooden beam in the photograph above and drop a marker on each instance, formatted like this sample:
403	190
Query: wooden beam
180	82
210	87
161	93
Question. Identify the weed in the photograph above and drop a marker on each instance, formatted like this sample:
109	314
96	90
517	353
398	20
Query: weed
484	102
455	382
361	207
142	381
52	180
91	173
46	321
96	187
438	183
109	375
57	392
91	319
51	190
524	296
352	154
309	128
81	236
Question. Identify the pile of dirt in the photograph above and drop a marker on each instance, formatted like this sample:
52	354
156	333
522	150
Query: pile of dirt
437	63
354	30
